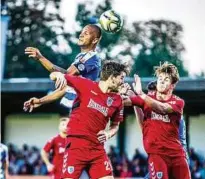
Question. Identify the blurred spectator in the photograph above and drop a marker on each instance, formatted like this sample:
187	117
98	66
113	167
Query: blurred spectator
126	172
28	161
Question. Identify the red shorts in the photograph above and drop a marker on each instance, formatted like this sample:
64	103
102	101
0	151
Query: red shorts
165	167
82	155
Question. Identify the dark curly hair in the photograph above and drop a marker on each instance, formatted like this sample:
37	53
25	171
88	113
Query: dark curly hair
169	69
112	68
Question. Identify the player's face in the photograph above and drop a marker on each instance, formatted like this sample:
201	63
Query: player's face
164	83
86	37
63	125
117	81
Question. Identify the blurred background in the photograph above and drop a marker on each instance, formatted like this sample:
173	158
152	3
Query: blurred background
153	32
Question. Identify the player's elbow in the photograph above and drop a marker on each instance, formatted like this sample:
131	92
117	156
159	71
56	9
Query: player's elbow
43	153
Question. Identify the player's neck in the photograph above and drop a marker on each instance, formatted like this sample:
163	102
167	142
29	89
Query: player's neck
87	49
164	96
62	134
104	86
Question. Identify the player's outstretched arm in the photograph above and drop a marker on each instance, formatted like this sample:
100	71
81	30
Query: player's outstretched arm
150	102
139	115
59	78
35	53
127	102
33	103
103	135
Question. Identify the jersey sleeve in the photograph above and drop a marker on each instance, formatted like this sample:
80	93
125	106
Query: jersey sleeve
87	66
78	83
137	101
177	105
118	115
49	145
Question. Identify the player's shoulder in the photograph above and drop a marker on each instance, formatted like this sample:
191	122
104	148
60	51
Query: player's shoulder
177	98
87	81
52	139
91	56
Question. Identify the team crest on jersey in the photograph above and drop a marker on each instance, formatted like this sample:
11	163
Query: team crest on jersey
159	175
81	67
70	169
109	101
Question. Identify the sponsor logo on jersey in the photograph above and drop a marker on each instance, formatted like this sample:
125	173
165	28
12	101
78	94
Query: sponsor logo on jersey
70	169
98	107
109	101
159	175
160	117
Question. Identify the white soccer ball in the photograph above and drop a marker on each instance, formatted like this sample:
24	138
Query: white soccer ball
111	21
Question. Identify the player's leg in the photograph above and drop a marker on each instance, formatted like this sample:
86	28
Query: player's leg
72	163
180	168
157	167
100	167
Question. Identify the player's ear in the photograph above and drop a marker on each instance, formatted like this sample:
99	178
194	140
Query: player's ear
95	40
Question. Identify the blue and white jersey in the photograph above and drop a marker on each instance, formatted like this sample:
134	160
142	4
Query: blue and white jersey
89	66
4	158
182	135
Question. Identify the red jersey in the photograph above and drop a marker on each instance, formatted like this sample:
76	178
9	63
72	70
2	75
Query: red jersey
57	145
92	109
161	131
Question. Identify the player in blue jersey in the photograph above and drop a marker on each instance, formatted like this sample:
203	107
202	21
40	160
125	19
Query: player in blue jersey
4	161
87	64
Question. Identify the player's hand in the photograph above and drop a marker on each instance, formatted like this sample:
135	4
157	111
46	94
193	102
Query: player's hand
33	52
137	86
31	104
50	167
123	89
103	136
59	79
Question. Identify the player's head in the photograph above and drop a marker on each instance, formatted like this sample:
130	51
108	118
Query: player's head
89	36
167	77
113	73
63	124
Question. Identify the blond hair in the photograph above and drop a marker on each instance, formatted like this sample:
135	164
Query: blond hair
169	69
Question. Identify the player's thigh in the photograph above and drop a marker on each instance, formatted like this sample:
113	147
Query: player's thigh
72	164
157	167
180	169
101	167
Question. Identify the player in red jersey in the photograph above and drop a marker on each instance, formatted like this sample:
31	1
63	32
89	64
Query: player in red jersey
162	114
57	146
95	106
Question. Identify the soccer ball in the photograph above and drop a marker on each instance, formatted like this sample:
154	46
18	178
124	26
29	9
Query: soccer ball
111	21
